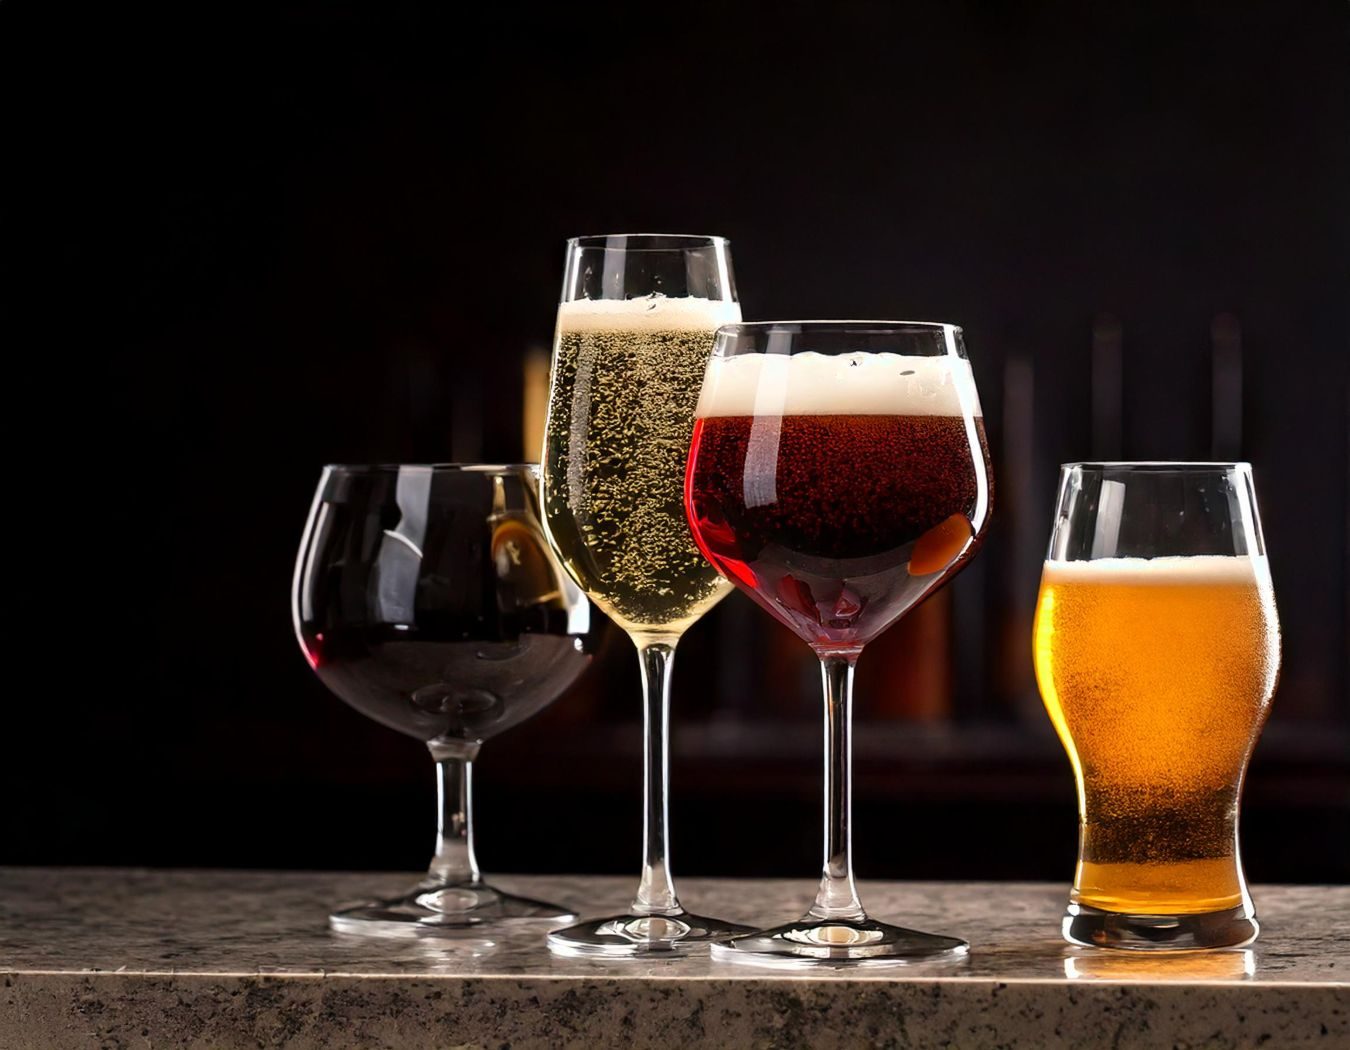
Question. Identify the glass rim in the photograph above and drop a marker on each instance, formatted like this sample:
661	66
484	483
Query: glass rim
1157	466
848	326
681	242
433	468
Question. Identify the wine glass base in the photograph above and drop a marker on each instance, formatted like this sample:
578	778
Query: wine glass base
828	942
1094	928
626	936
439	910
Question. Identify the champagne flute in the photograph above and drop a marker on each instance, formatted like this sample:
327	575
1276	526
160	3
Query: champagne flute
635	328
426	598
839	475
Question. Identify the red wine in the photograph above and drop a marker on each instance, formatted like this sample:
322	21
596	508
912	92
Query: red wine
837	524
426	598
428	685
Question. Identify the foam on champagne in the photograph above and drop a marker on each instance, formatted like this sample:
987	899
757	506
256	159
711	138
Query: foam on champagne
1197	570
857	384
650	313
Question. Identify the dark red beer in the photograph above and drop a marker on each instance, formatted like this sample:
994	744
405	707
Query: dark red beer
837	524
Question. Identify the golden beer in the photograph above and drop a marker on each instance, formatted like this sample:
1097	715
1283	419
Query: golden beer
1158	674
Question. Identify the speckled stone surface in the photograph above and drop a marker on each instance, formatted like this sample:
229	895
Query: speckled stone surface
236	959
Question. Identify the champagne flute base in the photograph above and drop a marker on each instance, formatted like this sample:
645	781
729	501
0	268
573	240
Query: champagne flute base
629	936
836	942
446	910
1094	928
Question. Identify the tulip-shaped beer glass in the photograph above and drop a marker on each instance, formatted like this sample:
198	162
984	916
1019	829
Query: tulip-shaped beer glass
838	476
1157	648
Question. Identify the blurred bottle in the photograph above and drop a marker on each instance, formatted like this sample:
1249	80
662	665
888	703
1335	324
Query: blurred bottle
534	403
582	704
906	673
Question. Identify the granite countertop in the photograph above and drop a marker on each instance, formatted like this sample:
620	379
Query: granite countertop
119	958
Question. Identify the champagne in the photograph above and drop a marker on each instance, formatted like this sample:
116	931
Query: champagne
626	380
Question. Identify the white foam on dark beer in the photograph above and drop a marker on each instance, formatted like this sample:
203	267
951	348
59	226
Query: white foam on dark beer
859	384
651	313
1177	571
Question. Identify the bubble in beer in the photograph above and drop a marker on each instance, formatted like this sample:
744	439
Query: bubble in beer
839	489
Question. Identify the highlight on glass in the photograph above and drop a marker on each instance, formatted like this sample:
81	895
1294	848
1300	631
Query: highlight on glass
839	474
634	332
426	598
1157	651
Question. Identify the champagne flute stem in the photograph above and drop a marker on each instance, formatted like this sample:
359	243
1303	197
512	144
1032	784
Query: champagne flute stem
454	863
837	897
656	891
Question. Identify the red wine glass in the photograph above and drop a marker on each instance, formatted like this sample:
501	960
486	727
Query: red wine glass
426	598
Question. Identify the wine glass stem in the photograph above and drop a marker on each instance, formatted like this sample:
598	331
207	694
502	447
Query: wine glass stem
838	896
656	891
454	863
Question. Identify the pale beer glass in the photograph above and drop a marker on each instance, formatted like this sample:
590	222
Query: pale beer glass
635	328
1157	650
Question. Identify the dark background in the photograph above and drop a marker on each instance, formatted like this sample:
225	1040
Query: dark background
237	247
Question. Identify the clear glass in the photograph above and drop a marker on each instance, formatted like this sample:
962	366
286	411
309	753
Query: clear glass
426	598
839	475
635	328
1157	651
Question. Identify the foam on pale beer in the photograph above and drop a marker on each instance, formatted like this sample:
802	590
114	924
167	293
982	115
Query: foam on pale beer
858	384
650	313
1175	571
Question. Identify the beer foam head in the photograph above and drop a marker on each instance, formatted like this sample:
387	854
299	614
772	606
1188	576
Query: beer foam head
859	384
650	313
1199	570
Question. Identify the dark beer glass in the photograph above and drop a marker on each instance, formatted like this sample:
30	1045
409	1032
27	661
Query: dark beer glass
426	597
838	475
